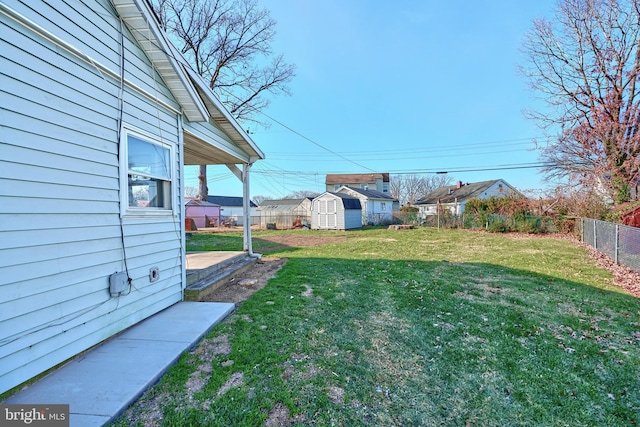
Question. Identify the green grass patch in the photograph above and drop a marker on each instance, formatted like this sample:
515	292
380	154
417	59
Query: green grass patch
419	327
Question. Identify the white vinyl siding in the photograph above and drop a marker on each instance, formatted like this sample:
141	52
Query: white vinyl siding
60	204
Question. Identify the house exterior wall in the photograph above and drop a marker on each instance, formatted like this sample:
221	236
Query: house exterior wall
453	208
61	234
200	214
379	211
374	210
376	184
234	213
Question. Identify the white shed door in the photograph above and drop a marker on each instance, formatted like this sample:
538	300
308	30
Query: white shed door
321	207
326	213
331	214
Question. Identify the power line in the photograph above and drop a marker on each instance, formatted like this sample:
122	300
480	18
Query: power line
391	157
454	147
315	143
458	169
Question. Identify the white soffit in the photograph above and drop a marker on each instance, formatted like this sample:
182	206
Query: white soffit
139	19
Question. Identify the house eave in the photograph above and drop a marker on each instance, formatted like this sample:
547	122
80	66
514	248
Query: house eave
144	27
221	117
200	151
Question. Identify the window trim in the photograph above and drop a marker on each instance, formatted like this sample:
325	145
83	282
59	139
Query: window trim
131	211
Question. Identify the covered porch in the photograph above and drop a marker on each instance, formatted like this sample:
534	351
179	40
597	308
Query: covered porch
207	271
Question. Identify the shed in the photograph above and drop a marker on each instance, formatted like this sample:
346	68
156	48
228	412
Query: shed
336	211
203	214
99	116
286	213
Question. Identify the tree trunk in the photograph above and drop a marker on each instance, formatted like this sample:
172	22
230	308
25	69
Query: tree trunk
203	191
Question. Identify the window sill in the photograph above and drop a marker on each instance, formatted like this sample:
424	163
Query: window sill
148	213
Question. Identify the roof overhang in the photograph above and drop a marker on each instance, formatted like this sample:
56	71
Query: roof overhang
223	119
144	27
200	151
196	99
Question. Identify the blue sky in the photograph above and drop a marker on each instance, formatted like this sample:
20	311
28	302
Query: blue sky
399	87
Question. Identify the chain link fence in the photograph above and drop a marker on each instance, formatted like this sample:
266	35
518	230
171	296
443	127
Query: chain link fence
492	222
618	241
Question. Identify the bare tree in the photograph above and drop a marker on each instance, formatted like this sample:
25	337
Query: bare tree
585	64
408	189
228	42
191	192
301	194
433	182
259	199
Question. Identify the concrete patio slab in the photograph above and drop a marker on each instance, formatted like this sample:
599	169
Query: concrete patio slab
202	260
103	382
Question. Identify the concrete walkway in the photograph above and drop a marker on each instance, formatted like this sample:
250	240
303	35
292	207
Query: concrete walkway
103	382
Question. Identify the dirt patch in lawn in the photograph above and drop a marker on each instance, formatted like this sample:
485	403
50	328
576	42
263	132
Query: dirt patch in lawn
282	241
241	286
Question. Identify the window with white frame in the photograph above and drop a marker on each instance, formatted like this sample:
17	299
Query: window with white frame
148	169
383	206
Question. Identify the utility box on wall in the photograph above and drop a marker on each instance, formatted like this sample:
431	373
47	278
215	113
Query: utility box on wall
118	283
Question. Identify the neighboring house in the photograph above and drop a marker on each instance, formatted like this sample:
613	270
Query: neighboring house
203	214
99	115
231	208
285	213
364	181
454	197
377	207
336	211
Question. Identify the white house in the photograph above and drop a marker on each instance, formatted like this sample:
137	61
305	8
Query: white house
231	209
99	115
454	197
335	211
365	181
377	207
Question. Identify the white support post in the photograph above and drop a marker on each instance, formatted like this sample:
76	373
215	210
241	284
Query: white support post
243	175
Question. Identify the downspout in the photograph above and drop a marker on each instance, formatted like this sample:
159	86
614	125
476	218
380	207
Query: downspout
181	207
243	175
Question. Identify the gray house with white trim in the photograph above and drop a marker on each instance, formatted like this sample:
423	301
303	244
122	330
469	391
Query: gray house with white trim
454	197
377	207
99	115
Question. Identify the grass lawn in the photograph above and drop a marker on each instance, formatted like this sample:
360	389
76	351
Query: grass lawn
417	327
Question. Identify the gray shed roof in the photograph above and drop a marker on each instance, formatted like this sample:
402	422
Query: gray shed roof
347	201
228	201
372	194
196	202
